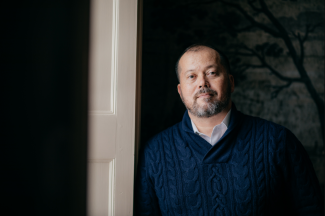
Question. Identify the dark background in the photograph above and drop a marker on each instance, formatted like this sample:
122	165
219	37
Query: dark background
276	52
44	107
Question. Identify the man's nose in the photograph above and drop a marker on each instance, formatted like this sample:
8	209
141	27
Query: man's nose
203	82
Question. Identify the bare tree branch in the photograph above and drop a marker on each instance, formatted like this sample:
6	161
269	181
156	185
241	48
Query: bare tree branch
310	29
278	89
251	3
252	20
272	70
284	35
306	33
301	45
302	49
244	28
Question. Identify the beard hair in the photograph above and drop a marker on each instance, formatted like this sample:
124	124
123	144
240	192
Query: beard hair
213	106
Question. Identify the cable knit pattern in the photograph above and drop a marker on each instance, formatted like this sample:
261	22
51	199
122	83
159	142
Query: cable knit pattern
157	173
276	145
147	204
259	165
217	188
256	168
171	174
191	180
242	182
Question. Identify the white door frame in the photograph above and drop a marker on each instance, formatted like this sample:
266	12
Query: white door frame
113	75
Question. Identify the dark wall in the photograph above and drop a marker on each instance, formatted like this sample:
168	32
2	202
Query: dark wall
276	53
44	101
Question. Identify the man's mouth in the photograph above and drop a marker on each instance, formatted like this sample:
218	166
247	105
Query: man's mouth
205	95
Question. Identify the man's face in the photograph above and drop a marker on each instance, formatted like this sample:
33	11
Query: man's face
205	87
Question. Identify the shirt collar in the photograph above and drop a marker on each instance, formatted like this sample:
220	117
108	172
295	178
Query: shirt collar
225	121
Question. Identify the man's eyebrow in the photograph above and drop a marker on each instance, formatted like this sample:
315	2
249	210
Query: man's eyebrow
207	67
189	70
212	66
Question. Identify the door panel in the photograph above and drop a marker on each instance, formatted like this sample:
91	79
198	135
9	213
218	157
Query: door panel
101	182
102	56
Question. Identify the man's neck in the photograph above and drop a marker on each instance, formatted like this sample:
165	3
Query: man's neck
206	125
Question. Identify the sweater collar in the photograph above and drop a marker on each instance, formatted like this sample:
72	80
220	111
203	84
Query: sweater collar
221	151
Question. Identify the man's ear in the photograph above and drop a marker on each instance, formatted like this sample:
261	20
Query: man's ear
179	90
232	82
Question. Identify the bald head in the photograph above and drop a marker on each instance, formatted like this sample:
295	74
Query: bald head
220	57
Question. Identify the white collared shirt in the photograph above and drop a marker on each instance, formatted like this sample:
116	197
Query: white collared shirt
217	131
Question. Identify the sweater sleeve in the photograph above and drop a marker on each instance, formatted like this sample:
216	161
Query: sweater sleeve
301	180
145	199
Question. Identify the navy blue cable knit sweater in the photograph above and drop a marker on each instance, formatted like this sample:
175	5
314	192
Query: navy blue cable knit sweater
256	168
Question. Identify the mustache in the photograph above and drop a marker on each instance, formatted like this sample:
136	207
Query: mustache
205	90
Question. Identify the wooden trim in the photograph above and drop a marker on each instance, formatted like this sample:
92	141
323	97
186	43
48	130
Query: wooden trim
111	188
125	106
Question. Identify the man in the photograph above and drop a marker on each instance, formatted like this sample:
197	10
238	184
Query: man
218	161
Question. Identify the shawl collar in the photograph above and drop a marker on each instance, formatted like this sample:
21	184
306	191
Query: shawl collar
221	151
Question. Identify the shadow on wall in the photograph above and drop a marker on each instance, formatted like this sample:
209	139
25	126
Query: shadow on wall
276	50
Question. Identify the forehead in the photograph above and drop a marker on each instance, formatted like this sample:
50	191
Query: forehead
198	59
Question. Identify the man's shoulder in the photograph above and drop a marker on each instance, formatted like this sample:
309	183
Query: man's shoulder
164	137
260	122
274	131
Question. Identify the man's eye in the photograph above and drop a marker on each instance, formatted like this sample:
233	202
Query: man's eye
212	73
191	76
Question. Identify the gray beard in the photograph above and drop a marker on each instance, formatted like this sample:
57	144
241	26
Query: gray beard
213	106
